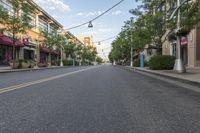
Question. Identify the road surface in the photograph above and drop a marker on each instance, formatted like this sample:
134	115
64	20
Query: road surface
97	99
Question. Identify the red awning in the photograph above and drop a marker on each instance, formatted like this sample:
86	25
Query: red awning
55	52
44	50
6	40
18	43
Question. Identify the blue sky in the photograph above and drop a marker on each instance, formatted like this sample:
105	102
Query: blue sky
73	12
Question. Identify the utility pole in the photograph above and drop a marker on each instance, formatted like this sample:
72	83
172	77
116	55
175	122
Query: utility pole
131	50
61	56
178	67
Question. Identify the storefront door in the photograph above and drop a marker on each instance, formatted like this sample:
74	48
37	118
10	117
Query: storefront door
5	54
184	54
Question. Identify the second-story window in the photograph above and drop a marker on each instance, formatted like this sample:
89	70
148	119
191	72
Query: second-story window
7	7
52	28
43	24
33	21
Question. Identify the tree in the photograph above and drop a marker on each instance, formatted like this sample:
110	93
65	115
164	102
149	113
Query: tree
70	49
19	21
52	40
99	60
89	54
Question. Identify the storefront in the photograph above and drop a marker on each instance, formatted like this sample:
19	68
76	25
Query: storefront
6	49
54	58
44	54
29	50
184	50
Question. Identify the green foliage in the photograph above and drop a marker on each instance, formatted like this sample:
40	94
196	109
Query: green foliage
148	25
17	23
165	62
70	63
99	60
136	63
52	39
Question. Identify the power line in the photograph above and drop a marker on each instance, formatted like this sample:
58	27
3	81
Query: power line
105	39
96	17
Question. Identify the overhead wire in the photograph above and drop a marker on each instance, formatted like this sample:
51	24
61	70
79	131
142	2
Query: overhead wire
105	39
96	16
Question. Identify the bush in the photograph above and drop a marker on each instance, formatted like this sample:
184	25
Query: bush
70	63
136	63
165	62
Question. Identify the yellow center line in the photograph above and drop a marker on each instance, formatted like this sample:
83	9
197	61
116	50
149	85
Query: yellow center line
19	86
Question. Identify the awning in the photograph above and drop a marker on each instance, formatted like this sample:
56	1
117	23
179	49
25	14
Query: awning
6	40
18	43
44	50
55	52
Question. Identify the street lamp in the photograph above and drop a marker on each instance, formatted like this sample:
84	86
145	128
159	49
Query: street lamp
61	55
131	52
90	25
178	66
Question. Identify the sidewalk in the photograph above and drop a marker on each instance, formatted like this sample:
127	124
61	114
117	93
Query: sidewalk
9	69
192	74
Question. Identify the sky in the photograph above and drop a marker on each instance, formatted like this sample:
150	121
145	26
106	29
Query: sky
74	12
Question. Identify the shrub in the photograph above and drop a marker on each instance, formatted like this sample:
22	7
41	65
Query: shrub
136	63
70	63
165	62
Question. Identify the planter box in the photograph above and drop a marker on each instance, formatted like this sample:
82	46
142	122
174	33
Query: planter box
14	65
42	65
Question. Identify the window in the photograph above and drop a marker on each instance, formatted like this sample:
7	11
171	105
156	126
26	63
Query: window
33	20
42	24
7	7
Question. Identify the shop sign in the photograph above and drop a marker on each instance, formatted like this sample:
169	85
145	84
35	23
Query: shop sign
184	40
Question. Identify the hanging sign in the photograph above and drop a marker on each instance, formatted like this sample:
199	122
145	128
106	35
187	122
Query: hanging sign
184	40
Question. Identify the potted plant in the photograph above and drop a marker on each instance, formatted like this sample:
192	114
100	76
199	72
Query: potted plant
14	64
25	64
42	64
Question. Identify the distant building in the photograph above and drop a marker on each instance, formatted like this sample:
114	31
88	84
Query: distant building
86	40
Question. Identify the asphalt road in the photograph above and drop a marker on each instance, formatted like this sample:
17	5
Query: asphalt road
100	99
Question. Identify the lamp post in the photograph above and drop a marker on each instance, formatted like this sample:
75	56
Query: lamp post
178	66
61	55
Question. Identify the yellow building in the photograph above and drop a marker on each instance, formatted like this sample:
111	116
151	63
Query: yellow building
87	40
29	46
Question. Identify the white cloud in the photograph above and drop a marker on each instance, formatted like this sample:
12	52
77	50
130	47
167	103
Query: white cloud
118	12
53	5
80	14
89	14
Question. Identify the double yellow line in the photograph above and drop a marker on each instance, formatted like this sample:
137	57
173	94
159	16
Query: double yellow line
15	87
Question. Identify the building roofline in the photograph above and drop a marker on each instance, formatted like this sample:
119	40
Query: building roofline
74	37
46	14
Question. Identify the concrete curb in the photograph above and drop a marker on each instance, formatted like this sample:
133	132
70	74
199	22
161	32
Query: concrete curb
195	83
32	69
